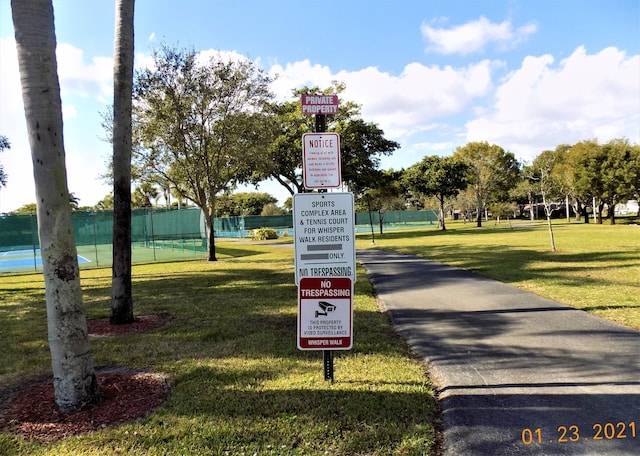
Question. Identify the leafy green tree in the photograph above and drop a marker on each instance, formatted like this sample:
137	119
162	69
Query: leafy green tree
74	201
502	210
525	193
389	193
4	145
441	177
619	174
105	204
361	146
492	172
74	380
288	205
243	203
143	194
272	209
361	143
584	161
29	208
547	183
202	124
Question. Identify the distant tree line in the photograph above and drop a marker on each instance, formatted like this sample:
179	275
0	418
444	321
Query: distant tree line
481	177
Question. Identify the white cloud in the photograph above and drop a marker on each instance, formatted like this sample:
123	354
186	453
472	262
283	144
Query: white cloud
69	112
94	79
403	103
298	74
85	88
541	105
418	96
474	36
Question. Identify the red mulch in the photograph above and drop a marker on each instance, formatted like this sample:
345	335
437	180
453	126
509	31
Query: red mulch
124	395
141	323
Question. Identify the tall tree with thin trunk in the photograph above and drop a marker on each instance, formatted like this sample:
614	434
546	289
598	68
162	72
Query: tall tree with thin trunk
442	177
492	172
73	373
121	293
202	124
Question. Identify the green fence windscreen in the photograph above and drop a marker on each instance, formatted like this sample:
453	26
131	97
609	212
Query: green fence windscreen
165	234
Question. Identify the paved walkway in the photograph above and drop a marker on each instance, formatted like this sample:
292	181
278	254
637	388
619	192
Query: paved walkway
515	373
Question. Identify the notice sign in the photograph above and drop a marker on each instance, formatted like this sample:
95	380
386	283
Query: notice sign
321	160
325	313
324	232
319	104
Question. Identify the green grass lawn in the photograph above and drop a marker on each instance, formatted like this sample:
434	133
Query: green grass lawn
239	385
595	268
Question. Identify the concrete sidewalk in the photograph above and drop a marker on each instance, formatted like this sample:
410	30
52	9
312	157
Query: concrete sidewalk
515	373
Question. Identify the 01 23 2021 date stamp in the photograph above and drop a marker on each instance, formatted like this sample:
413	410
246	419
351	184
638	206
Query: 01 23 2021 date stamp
567	434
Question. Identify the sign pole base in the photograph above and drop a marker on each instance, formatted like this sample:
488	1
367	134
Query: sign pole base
328	365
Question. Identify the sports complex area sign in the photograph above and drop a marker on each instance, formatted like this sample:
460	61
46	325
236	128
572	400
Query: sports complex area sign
324	235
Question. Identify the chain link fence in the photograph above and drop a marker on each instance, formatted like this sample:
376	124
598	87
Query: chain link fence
164	235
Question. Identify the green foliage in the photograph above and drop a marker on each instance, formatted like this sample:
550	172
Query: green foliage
442	177
492	172
361	143
609	172
361	146
272	209
388	193
242	203
29	208
4	144
201	124
263	234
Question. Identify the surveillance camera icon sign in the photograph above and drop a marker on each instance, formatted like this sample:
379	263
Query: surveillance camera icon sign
326	308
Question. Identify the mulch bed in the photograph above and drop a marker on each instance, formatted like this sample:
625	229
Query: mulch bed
124	394
102	327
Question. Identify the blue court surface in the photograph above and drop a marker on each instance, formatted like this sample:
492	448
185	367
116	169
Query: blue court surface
24	259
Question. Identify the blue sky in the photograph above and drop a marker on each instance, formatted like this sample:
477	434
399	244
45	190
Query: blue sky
526	75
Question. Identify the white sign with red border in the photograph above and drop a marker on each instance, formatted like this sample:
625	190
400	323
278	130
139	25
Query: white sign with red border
321	160
325	313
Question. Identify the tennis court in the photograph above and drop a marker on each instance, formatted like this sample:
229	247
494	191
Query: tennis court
24	259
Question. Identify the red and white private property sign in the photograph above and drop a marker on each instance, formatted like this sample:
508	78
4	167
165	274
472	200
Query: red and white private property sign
319	104
321	160
325	313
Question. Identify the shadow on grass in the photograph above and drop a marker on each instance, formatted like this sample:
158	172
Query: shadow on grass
508	264
319	419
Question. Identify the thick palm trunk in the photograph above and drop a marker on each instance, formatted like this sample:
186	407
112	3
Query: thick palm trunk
121	298
73	373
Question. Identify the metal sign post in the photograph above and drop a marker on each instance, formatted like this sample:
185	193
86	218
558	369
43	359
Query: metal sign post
325	234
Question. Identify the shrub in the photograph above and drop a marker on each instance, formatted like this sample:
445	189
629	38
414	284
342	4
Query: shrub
262	234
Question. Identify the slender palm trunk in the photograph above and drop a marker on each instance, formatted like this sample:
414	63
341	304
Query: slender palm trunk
73	373
122	299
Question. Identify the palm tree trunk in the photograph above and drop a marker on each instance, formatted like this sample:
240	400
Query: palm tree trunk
73	373
121	292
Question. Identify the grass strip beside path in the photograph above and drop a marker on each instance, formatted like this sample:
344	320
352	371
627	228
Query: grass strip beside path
239	384
596	267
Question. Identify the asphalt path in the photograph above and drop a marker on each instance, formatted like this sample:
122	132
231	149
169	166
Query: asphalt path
516	374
